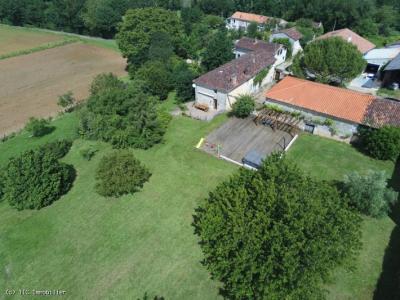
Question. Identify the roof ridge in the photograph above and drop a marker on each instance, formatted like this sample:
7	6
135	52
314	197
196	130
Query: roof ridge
333	87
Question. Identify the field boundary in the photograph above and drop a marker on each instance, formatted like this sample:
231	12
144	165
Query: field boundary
39	48
97	41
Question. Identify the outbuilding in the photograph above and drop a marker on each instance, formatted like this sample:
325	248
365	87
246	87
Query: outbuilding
331	111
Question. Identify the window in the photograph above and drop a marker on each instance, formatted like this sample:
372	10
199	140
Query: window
309	128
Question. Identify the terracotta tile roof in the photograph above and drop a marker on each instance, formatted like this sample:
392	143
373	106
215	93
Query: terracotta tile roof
383	112
236	72
248	17
250	44
293	33
362	44
324	99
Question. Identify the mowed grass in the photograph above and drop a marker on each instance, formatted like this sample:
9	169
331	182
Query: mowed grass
94	247
16	39
330	160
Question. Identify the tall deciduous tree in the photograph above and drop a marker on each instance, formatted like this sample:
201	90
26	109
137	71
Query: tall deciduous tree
275	233
219	50
333	60
138	27
123	115
101	17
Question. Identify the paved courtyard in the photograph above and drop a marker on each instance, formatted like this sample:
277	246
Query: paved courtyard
237	137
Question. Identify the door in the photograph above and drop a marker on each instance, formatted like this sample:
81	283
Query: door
215	104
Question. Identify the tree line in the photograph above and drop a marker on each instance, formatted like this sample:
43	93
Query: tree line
101	17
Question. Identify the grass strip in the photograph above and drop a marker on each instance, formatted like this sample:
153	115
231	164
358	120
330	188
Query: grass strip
39	48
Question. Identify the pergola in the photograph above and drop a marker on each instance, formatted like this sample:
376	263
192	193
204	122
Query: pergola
278	121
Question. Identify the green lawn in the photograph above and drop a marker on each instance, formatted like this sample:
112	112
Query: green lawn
327	159
94	247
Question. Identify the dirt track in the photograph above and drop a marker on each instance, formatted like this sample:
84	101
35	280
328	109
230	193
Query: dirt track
30	84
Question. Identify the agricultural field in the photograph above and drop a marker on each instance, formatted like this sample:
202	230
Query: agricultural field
14	39
95	247
31	83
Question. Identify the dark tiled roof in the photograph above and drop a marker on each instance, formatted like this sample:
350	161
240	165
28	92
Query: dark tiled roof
236	72
383	112
250	44
394	64
293	33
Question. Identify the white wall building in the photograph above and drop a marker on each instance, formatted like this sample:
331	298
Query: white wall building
241	20
219	88
292	35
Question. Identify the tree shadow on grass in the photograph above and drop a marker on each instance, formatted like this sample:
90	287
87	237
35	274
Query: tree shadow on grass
388	286
394	183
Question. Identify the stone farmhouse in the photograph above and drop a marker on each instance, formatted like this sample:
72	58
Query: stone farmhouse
218	89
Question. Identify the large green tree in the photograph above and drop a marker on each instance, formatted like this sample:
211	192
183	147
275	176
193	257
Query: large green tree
138	27
101	17
123	115
275	233
218	51
333	60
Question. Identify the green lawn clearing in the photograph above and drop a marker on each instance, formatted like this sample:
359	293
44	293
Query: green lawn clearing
94	247
331	160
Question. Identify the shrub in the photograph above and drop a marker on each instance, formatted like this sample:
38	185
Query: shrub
36	179
286	43
369	194
120	173
66	100
383	143
58	148
88	153
275	233
244	106
38	127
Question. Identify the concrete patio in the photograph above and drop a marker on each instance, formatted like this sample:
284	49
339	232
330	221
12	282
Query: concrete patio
237	137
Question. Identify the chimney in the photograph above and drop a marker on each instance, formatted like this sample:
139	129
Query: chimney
234	79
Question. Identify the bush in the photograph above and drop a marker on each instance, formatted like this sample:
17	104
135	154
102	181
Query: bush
244	106
38	127
36	179
369	194
66	100
124	116
120	173
383	143
58	148
88	153
275	233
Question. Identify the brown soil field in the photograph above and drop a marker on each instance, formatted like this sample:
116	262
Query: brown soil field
30	84
17	39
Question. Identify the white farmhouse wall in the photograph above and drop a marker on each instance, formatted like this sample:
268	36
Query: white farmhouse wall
342	127
238	24
296	46
206	96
